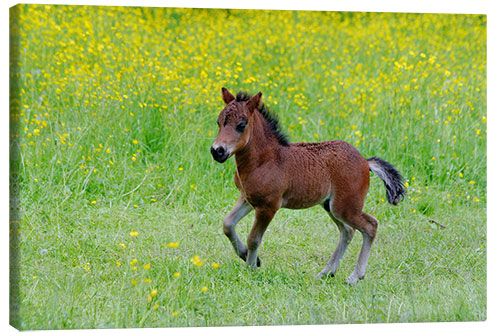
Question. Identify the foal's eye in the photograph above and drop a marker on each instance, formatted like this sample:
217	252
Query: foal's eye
241	126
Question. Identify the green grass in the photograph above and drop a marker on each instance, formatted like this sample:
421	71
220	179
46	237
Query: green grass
113	112
417	271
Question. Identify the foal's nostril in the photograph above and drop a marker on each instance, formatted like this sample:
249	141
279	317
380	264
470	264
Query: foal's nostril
213	152
218	152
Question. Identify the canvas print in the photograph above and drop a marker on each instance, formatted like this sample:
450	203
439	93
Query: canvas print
182	167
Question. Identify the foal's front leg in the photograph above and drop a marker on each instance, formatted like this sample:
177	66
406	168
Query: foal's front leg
240	210
263	217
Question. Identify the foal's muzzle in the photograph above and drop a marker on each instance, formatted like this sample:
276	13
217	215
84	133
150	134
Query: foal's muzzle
219	154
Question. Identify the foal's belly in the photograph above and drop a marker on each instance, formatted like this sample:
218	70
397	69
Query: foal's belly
298	204
309	183
306	198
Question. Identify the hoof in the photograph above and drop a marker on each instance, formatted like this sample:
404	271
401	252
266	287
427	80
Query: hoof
353	279
324	274
257	264
243	256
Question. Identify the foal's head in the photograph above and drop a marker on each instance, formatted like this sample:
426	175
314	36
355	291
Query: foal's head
235	125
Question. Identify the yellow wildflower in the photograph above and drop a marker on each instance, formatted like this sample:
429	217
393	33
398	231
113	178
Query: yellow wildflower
196	261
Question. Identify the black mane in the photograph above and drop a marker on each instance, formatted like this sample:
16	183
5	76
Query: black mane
271	119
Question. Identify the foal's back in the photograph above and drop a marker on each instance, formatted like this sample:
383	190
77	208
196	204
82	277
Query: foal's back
320	170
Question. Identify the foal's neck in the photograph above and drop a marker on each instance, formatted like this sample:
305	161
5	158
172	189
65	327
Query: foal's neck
262	146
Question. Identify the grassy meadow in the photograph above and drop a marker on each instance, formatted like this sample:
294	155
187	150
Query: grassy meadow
117	204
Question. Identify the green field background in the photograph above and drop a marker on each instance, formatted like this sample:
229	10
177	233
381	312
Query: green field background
117	204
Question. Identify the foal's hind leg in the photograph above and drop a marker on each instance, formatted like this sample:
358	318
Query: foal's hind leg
346	234
240	210
367	224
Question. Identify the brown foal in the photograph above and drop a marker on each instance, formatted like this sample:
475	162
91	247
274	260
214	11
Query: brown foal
272	173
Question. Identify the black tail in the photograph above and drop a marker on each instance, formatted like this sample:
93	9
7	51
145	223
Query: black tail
391	177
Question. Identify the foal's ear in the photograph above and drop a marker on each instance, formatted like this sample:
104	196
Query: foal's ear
227	96
254	102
